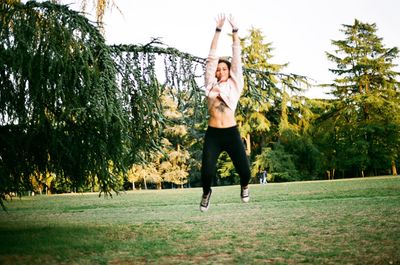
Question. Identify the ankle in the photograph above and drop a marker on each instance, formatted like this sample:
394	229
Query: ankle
205	194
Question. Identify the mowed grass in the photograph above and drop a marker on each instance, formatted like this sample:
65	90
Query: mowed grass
353	221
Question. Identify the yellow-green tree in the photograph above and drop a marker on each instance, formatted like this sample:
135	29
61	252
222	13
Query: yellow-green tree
144	173
270	107
169	162
174	166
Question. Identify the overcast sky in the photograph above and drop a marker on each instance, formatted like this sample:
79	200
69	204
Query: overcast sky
300	30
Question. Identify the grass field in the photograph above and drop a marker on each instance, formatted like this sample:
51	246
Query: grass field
353	221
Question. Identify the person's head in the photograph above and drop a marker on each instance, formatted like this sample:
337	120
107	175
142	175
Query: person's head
223	70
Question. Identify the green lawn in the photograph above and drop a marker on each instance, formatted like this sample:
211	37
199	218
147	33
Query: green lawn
353	221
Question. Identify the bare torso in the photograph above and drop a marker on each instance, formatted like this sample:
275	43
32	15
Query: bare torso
221	116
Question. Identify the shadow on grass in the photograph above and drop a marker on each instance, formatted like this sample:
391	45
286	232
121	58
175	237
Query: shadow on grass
51	244
86	244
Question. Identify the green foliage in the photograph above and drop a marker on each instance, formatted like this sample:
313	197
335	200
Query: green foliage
363	63
59	107
170	161
74	106
261	86
279	162
142	90
226	173
305	155
364	121
269	109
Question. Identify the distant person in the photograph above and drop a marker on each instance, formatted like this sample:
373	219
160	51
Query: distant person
260	175
223	86
264	174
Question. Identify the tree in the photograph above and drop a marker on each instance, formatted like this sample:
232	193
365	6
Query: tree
101	6
175	166
144	173
367	113
279	162
169	162
323	134
59	107
258	95
269	105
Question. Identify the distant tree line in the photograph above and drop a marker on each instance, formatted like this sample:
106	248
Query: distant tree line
79	115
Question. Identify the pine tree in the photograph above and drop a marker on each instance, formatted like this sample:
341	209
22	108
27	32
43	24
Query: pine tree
258	97
59	106
367	112
269	106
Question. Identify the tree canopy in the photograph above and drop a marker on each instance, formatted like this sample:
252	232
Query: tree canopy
59	101
365	119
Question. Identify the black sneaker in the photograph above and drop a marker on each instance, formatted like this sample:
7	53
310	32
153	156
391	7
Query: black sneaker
205	201
244	194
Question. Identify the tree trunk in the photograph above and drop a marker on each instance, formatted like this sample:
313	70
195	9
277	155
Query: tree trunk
394	169
248	144
145	183
92	182
247	141
133	185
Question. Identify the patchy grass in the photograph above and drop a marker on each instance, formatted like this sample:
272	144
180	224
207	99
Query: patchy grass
320	222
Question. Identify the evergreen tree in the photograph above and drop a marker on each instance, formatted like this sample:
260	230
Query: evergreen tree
169	162
259	97
366	116
270	107
59	103
174	166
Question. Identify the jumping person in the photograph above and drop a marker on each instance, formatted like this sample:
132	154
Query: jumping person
223	86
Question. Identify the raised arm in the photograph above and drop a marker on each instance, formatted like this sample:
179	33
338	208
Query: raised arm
220	20
212	59
235	36
236	68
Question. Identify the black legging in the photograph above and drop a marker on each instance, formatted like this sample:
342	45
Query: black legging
218	140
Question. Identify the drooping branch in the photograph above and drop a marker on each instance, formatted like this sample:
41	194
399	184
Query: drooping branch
184	72
59	110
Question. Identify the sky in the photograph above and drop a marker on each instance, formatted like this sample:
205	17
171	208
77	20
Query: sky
300	31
